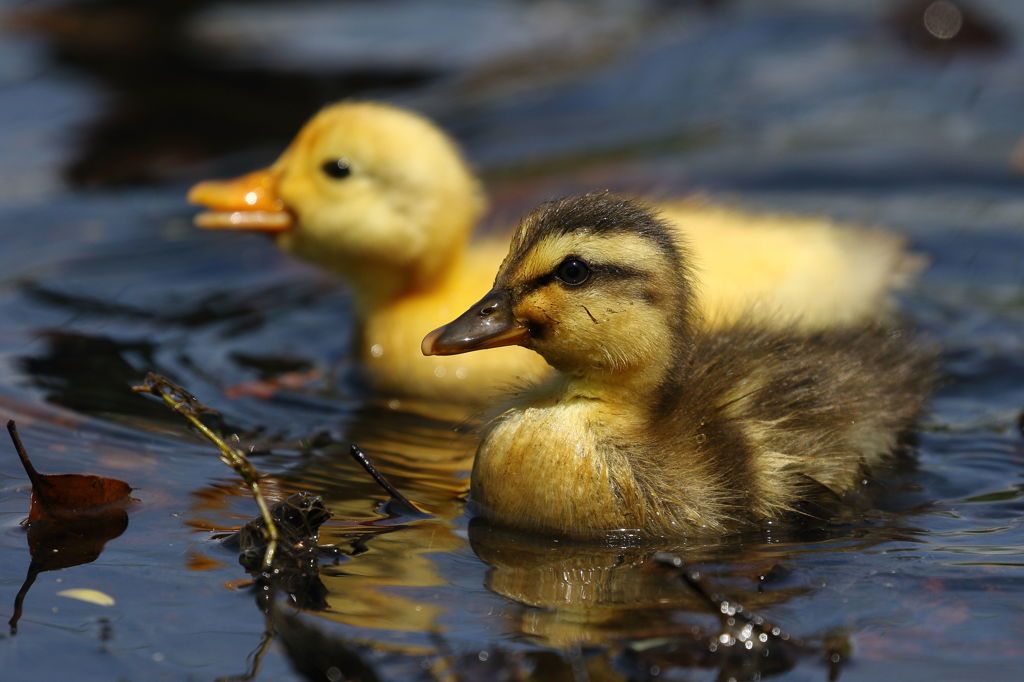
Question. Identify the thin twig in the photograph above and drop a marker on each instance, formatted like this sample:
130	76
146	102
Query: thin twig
724	607
397	497
185	404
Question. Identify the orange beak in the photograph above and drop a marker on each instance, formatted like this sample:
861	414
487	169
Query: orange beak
489	323
249	202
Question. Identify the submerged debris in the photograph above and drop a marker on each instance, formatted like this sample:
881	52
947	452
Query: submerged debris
295	570
298	518
279	547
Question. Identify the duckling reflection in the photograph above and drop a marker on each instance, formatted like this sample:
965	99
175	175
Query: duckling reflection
588	593
653	424
383	198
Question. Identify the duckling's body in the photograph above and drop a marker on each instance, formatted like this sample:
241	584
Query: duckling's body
654	424
383	198
786	271
723	454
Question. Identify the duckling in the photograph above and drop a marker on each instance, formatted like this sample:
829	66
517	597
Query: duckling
653	424
382	197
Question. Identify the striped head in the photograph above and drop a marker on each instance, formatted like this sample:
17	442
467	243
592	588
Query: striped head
596	284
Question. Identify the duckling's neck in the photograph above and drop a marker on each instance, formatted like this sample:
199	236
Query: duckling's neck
625	390
633	380
376	287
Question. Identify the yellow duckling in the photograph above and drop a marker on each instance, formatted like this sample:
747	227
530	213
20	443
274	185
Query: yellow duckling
380	196
653	424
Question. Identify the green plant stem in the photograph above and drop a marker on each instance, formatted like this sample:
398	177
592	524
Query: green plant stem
184	404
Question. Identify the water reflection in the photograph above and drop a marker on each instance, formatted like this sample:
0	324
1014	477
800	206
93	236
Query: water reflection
400	585
579	594
63	543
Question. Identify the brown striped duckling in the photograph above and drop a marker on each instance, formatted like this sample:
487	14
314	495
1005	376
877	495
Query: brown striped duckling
382	197
653	424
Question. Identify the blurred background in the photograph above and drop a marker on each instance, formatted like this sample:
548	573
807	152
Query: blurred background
109	94
904	114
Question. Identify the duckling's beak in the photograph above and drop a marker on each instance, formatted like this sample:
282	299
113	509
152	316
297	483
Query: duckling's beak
249	202
489	323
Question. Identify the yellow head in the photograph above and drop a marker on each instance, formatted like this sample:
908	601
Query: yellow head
591	283
370	191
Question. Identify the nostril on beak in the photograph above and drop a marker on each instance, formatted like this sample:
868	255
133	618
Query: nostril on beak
488	309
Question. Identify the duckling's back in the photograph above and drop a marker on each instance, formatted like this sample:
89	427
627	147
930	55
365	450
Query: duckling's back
773	419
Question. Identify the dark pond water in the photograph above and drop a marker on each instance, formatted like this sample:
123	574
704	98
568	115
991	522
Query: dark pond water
109	111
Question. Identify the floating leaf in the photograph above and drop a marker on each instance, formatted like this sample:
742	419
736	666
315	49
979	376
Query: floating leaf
71	519
67	494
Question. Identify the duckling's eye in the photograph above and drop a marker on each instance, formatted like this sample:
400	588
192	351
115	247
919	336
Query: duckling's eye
337	169
573	271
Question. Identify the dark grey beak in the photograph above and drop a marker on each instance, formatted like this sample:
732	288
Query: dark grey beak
488	323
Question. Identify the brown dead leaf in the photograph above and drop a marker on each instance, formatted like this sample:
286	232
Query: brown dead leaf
71	518
62	495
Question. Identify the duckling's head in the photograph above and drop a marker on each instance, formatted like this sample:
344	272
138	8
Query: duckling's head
595	284
375	193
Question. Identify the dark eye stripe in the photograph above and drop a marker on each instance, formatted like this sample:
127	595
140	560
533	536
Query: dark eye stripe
616	272
535	283
619	272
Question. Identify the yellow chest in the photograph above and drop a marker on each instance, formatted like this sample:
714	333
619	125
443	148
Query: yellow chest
545	469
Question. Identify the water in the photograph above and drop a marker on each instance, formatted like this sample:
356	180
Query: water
817	107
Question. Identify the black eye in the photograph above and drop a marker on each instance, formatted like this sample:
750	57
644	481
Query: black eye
573	271
337	169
